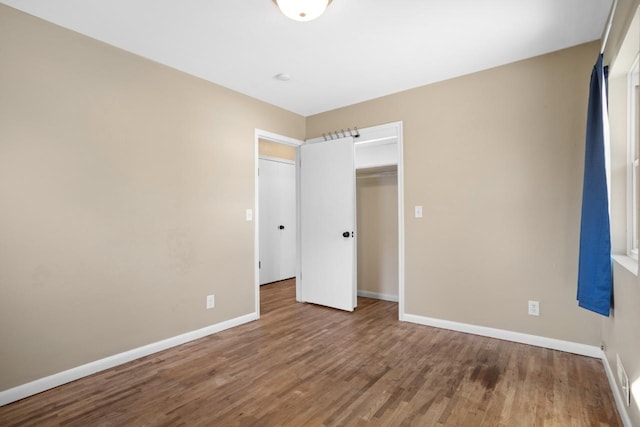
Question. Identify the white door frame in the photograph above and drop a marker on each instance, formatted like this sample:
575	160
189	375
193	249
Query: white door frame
378	133
280	139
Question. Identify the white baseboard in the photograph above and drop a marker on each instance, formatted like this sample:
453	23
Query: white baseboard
55	380
538	341
376	295
620	403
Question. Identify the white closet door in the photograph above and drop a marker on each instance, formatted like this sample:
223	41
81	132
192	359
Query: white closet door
327	217
277	182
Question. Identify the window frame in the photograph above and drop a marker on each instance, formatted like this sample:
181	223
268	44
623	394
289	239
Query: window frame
633	159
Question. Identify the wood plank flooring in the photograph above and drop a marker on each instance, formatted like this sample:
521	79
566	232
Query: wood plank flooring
304	365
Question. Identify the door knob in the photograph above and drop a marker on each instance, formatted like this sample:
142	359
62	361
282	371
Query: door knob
281	227
346	234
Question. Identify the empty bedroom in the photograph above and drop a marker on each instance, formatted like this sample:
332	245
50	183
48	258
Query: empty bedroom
319	213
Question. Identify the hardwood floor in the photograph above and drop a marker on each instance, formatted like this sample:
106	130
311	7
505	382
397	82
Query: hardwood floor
304	365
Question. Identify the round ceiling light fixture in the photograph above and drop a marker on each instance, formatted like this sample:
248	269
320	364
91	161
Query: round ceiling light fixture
302	10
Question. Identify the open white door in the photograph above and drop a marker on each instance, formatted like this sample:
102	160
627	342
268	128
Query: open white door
327	223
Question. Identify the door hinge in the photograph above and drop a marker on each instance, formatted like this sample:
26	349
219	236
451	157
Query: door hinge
259	264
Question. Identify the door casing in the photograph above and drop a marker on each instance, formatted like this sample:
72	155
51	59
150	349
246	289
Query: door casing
279	139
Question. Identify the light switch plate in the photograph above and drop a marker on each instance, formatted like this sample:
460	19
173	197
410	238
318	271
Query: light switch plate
418	211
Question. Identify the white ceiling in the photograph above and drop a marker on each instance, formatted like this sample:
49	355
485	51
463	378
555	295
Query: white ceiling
358	50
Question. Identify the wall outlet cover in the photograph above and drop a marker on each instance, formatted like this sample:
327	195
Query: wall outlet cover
534	308
211	302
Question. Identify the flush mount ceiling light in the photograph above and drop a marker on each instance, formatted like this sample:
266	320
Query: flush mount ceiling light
302	10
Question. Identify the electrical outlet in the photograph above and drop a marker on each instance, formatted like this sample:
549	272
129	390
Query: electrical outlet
211	301
534	308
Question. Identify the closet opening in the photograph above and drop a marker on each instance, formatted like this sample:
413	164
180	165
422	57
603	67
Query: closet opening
377	231
378	206
377	264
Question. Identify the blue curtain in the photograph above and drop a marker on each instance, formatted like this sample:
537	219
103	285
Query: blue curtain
595	280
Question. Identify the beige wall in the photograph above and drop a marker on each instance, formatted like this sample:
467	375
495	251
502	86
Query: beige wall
496	159
123	186
279	151
620	330
377	211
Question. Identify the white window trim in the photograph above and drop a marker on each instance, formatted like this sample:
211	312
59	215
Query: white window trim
632	161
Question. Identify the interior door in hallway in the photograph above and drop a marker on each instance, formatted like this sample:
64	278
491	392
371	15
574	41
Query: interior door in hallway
327	223
277	182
